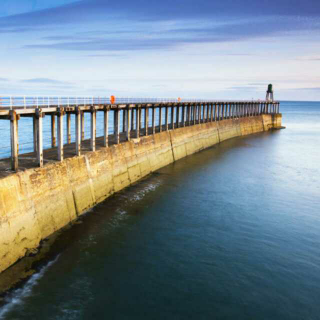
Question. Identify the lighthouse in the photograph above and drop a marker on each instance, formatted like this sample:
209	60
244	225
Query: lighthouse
269	96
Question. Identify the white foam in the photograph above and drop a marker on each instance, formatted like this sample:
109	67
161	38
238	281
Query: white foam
18	296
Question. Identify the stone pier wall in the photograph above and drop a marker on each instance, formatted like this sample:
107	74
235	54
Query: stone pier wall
37	202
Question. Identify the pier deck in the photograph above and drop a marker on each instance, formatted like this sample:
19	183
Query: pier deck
171	114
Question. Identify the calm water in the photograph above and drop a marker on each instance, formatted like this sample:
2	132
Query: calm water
230	233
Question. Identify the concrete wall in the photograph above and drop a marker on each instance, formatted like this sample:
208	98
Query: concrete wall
37	202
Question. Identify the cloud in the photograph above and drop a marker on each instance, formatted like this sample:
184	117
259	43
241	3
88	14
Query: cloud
165	38
307	59
4	79
166	10
307	89
44	81
244	88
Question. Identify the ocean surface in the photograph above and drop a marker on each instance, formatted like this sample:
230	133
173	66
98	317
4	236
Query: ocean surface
232	232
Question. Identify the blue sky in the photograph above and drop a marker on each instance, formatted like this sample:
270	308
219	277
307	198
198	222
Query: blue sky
147	48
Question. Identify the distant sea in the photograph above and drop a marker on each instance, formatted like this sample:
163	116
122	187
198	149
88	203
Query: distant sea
232	232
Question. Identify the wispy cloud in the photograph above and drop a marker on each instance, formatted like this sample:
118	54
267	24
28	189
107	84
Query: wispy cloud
168	38
44	81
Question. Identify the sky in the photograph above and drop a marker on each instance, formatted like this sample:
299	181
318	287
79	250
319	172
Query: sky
210	49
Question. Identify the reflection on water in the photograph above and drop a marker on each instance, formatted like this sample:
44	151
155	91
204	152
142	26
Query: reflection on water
229	233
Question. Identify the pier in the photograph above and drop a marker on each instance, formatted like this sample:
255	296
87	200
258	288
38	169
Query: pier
140	117
64	172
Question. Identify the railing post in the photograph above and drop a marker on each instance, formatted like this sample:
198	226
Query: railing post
93	128
105	126
14	140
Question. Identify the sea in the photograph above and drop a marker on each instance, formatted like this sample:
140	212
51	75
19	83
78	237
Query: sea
232	232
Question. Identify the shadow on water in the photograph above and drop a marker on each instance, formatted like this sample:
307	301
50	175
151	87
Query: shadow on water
124	207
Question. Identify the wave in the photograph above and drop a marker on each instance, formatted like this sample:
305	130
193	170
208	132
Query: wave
17	297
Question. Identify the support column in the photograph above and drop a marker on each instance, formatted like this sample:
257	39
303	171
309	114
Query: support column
211	112
78	131
146	121
208	113
153	120
160	119
203	113
35	134
39	116
138	114
93	130
199	113
183	118
60	134
194	112
189	115
14	140
128	124
68	128
53	131
178	116
117	125
82	126
140	119
132	118
172	117
124	115
105	127
167	117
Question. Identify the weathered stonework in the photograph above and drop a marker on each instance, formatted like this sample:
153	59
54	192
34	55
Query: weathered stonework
37	202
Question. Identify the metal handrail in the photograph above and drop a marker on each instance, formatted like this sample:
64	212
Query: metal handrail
65	101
